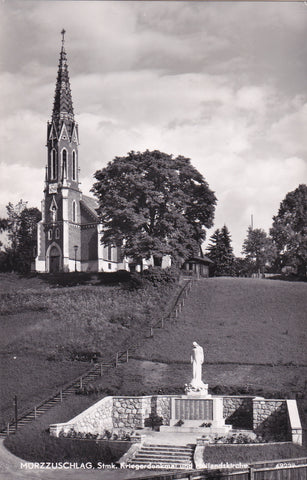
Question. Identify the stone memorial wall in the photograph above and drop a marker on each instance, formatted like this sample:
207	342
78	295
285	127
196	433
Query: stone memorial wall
273	419
131	412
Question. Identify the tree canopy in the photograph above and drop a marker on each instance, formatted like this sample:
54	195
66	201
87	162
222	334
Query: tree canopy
259	248
220	252
289	230
21	227
153	204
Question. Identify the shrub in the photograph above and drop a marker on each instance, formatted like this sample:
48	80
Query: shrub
84	356
153	421
158	276
237	438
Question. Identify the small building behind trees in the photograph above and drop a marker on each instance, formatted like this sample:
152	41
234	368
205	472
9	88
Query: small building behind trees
198	266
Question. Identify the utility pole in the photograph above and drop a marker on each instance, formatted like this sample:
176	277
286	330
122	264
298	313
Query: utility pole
16	412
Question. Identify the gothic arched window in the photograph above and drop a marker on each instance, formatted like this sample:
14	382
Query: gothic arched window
74	211
53	175
64	163
57	233
74	165
50	234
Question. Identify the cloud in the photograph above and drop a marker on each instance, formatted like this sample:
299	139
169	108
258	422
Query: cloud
291	128
23	178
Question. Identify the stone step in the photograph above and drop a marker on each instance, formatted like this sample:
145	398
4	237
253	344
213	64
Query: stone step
167	450
173	447
163	458
150	458
173	464
175	455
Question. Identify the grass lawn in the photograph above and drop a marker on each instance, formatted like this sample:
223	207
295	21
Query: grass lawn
238	320
251	453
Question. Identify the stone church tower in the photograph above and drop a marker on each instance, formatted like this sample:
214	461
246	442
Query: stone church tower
69	232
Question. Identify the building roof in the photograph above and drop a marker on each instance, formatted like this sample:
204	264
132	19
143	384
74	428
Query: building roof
205	260
90	205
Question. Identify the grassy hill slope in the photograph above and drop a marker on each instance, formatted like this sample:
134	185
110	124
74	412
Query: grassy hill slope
46	329
238	320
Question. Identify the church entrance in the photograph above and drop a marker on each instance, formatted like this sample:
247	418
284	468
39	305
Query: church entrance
54	260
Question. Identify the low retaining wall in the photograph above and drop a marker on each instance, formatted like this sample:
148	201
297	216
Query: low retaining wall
238	411
97	420
270	419
274	420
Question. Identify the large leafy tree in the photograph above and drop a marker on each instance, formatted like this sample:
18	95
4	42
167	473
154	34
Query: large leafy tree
21	227
153	204
220	252
258	247
289	230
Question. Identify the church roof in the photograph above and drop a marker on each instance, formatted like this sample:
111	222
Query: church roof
90	205
63	110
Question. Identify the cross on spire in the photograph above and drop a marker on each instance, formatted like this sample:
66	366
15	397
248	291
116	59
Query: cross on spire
63	34
63	107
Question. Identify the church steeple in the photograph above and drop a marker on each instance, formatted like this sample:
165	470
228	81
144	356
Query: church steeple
62	132
63	111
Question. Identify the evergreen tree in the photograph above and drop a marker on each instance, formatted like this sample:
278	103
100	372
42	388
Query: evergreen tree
220	252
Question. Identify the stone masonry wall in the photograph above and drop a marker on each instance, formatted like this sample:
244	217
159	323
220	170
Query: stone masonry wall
131	412
238	411
270	419
163	408
96	419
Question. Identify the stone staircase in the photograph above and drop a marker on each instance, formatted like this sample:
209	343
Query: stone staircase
168	456
67	391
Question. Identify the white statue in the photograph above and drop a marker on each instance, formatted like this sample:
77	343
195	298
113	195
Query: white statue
197	359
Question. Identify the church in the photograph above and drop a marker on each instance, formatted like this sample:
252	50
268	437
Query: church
69	233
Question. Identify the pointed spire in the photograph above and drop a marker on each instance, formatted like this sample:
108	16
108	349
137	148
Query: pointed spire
63	106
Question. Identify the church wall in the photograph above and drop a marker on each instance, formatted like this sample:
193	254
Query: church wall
74	235
89	243
89	266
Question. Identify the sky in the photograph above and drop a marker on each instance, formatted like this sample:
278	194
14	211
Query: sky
222	83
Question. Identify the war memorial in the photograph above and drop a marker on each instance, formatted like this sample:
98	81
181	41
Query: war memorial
172	431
